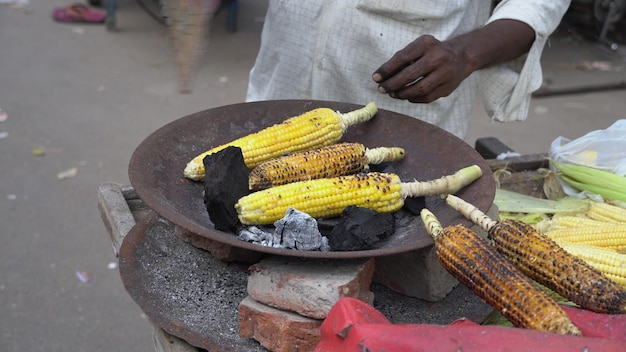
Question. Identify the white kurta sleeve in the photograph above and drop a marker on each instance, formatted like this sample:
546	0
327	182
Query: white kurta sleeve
506	89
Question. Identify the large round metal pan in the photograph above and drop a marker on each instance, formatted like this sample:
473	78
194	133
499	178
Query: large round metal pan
156	168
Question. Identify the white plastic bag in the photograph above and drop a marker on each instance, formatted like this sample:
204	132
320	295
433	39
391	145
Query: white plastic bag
600	149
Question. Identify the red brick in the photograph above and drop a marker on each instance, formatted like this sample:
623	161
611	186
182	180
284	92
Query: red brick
309	287
277	330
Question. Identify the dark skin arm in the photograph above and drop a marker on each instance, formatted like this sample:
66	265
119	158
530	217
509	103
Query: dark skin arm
428	69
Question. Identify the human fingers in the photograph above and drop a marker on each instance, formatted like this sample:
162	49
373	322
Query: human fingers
425	90
400	61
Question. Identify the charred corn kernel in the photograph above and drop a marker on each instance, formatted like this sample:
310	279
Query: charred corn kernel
470	259
330	161
605	235
543	260
606	212
328	197
584	178
611	263
313	129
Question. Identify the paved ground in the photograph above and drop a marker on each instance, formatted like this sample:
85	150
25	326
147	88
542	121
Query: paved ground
88	97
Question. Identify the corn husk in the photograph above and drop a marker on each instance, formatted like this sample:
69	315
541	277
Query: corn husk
514	202
606	184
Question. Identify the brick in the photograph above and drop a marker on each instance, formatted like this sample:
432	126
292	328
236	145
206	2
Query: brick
307	286
277	330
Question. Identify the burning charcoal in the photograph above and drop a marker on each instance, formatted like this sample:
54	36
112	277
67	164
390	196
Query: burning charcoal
360	229
298	230
225	182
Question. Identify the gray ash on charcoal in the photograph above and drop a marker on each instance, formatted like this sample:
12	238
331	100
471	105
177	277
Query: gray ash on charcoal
360	229
226	182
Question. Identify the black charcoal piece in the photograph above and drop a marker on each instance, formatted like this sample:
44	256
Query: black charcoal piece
414	205
360	229
225	181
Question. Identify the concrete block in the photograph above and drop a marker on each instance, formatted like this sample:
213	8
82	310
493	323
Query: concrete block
416	274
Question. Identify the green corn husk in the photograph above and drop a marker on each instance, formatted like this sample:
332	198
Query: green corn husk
514	202
584	178
529	219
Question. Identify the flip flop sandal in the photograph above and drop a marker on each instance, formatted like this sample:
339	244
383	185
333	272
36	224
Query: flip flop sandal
78	13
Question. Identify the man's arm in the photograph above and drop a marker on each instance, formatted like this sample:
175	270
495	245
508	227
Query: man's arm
428	69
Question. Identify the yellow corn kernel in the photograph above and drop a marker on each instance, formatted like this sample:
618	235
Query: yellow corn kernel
543	260
329	161
606	235
476	264
313	129
571	222
328	197
606	212
321	198
611	263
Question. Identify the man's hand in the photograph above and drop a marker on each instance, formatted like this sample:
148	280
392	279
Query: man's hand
428	69
423	71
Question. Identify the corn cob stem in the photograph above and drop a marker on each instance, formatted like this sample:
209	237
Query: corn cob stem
328	197
448	184
329	161
469	258
313	129
543	260
357	116
381	155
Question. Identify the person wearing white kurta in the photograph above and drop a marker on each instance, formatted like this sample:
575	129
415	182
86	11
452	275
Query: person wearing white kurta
329	50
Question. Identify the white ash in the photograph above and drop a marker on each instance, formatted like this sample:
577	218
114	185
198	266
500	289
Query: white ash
296	230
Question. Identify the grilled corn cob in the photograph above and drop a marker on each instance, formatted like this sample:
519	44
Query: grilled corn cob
470	259
611	263
543	260
328	197
313	129
329	161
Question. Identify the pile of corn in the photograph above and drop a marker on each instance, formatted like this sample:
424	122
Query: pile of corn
597	235
591	229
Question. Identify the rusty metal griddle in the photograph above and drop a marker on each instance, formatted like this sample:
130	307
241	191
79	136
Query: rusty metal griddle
156	167
194	296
